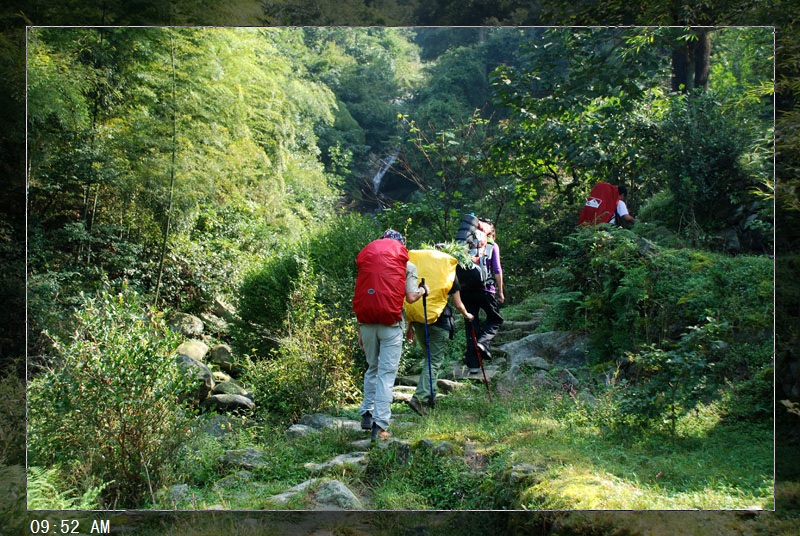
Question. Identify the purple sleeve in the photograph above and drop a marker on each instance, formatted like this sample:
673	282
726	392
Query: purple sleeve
496	268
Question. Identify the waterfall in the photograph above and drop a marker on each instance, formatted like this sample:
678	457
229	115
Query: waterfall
384	167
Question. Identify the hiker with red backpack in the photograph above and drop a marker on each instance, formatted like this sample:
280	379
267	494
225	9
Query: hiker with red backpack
385	279
606	204
621	215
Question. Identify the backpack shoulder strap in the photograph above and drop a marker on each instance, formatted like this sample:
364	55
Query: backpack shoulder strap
490	247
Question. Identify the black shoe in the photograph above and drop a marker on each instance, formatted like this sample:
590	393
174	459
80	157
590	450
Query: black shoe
484	351
366	421
414	404
379	433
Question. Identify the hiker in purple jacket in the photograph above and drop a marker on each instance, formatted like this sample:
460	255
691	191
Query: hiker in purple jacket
487	299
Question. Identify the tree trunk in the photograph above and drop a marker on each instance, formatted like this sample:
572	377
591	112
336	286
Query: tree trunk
691	63
702	58
681	60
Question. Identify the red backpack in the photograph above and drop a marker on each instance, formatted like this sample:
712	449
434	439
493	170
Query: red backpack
381	282
601	205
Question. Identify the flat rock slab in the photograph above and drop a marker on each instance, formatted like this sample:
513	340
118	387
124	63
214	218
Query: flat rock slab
248	458
321	421
357	460
226	402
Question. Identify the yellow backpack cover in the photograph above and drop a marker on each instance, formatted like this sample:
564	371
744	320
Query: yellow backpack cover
439	271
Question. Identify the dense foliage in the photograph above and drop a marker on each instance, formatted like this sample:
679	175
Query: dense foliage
682	327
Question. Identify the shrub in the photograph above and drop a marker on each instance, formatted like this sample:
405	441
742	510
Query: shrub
13	510
685	318
330	253
601	284
626	298
262	302
110	411
704	168
312	368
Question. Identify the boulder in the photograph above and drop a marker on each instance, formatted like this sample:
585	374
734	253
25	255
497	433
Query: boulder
448	386
214	324
283	498
231	388
560	348
568	380
220	376
222	356
646	247
200	371
224	310
357	460
444	448
186	324
533	363
233	481
321	421
334	495
300	430
194	349
218	425
402	393
729	240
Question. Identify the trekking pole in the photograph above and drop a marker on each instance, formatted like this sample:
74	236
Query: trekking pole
480	360
427	339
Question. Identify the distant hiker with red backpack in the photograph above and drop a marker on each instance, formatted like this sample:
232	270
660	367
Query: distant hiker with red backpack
622	216
385	278
431	322
606	204
484	293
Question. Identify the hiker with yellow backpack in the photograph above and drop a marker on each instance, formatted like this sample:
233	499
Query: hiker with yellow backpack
430	321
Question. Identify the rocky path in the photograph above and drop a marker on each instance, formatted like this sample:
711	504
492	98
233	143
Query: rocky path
517	347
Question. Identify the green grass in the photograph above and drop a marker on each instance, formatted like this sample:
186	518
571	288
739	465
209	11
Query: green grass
720	466
581	464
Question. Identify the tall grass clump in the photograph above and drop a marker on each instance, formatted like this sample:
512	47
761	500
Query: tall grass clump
110	411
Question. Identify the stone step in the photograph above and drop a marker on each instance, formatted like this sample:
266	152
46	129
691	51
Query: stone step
524	325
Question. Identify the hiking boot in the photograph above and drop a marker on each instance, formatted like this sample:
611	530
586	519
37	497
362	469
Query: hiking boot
484	351
379	433
474	370
366	421
415	404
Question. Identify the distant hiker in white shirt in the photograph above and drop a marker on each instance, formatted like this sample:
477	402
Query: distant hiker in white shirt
622	208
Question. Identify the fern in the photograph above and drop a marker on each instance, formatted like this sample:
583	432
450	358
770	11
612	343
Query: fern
44	492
